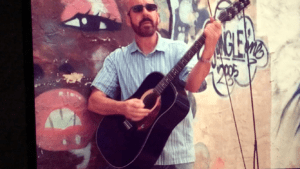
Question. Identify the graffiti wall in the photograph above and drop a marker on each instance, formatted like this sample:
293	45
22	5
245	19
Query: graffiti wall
242	103
70	41
238	84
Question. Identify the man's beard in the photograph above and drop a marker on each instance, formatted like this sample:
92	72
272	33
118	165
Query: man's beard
144	31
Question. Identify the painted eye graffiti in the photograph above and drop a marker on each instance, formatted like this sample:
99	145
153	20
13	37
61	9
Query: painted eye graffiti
87	22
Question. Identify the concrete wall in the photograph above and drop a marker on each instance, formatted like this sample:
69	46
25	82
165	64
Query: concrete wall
279	21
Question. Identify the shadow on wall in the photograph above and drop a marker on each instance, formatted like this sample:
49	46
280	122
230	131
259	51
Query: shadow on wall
288	133
286	106
202	156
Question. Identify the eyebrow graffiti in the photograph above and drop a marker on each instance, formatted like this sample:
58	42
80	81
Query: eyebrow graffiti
86	22
91	15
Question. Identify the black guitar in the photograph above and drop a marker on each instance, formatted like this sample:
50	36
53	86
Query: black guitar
137	145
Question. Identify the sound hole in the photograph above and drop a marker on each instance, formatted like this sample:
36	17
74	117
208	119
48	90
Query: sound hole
150	100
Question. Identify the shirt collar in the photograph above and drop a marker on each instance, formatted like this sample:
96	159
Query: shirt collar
160	46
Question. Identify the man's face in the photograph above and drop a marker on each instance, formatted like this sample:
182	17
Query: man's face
144	21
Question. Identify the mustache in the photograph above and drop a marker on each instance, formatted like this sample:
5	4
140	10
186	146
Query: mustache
144	20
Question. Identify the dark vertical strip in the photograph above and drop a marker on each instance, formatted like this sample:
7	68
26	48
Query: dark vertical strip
31	159
171	19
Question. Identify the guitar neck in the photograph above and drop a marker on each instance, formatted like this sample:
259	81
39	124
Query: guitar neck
160	87
226	15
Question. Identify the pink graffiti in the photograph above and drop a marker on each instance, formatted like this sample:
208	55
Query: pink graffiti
218	164
104	8
62	120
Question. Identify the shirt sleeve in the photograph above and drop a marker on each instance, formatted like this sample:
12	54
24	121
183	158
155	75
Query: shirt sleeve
107	78
182	49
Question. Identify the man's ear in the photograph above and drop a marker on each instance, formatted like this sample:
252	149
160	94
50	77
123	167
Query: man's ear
158	18
128	20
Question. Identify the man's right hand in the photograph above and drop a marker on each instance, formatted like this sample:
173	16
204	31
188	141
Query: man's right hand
134	109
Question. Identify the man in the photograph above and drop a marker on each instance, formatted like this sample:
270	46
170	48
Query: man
127	67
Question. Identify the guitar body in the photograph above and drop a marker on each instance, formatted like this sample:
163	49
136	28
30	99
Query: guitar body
139	149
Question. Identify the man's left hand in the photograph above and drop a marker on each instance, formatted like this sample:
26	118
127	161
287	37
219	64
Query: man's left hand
212	32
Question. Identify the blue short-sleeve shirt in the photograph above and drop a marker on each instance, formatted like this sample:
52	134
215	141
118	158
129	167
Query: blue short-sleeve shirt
125	69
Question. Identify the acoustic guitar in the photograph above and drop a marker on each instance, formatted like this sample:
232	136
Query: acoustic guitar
127	144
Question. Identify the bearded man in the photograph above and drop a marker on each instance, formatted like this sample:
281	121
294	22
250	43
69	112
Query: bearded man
125	69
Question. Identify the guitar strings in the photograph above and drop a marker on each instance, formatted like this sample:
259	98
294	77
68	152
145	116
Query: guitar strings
210	9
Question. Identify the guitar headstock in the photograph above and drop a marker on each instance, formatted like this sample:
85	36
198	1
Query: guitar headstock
230	12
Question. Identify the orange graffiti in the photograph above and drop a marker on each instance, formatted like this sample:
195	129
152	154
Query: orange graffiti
218	164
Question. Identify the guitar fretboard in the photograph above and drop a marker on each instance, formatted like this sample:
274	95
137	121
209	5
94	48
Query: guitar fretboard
160	87
226	15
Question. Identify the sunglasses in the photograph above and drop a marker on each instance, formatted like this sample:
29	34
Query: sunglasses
139	8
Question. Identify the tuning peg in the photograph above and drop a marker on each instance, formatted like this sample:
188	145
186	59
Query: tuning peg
236	10
242	5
